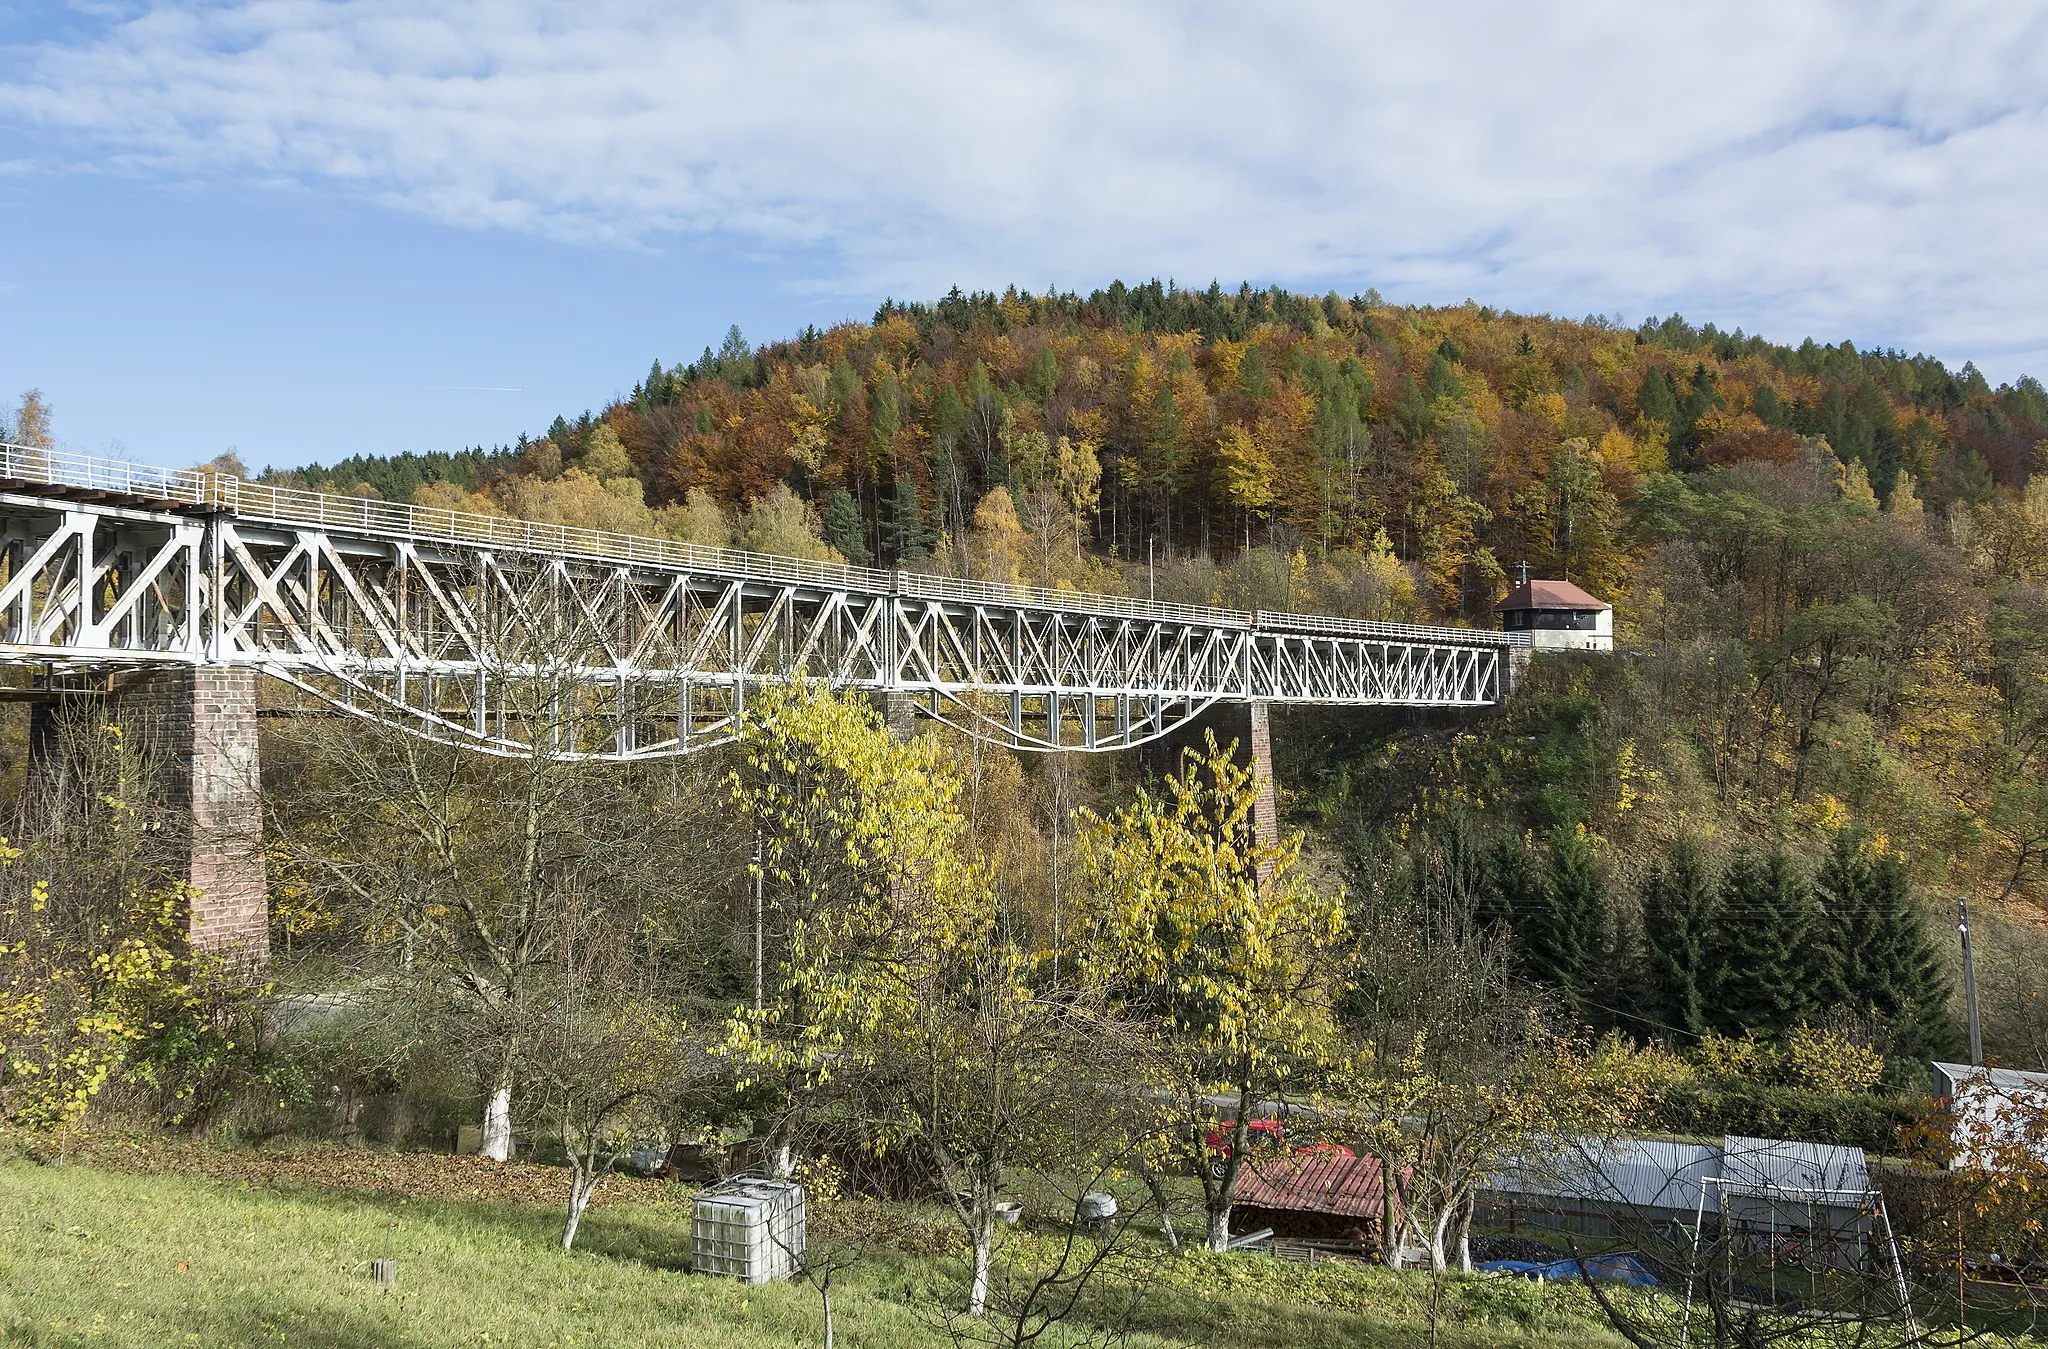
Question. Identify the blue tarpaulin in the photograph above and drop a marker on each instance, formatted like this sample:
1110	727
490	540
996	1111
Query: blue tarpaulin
1611	1268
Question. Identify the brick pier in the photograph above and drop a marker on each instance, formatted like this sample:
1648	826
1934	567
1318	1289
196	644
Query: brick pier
202	723
1249	725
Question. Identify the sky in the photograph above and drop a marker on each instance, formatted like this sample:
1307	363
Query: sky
304	229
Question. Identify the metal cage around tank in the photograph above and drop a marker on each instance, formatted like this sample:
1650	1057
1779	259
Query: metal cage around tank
749	1228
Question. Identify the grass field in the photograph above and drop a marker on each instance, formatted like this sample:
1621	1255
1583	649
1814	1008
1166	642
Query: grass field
90	1255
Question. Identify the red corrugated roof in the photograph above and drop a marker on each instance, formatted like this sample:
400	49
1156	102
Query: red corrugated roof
1314	1180
1549	595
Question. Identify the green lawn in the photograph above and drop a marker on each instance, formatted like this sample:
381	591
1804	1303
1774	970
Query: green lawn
90	1256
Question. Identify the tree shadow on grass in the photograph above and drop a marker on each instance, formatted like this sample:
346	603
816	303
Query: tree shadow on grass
240	1319
653	1236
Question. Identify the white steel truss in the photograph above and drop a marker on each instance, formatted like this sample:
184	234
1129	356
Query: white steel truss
445	623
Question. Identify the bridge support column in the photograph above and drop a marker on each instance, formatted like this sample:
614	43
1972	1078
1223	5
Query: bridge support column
231	916
1514	667
899	715
1249	725
202	722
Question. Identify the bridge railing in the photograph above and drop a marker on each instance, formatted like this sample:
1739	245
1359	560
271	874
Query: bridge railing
285	505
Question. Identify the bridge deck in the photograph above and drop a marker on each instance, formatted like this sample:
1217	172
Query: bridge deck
441	621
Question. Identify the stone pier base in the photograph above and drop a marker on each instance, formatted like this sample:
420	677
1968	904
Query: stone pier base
899	714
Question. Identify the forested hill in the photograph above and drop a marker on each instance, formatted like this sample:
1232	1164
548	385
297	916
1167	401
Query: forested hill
1828	563
1470	438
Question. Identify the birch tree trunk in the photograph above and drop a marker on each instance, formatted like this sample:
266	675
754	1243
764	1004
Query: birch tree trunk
1219	1228
1152	1183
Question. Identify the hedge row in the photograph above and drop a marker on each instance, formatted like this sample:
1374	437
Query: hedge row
1872	1123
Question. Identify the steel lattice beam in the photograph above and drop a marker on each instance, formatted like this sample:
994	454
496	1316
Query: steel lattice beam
447	624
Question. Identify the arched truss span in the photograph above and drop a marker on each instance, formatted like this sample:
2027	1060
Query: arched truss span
451	630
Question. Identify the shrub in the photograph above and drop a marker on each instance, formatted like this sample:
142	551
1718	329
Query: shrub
1738	1106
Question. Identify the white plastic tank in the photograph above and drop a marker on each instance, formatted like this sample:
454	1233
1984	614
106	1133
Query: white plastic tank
748	1228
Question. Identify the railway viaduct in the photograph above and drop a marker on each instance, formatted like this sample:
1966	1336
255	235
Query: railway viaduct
172	593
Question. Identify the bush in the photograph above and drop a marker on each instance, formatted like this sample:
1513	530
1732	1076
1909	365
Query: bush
1735	1106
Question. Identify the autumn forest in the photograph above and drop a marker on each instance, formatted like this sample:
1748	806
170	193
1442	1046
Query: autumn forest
1827	563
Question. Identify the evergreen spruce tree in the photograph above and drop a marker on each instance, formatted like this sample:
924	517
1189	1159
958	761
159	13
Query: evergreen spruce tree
1883	959
1678	928
843	528
1841	965
1656	399
1513	893
1905	979
1564	941
906	534
1760	957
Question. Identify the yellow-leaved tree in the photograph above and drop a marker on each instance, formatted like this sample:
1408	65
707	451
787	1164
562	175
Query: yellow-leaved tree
1244	474
891	995
97	986
74	1005
1219	945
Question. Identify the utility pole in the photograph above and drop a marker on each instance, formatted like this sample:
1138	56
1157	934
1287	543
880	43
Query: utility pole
760	942
1970	982
1151	576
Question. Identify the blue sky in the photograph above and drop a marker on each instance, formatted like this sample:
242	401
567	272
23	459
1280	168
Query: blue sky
306	229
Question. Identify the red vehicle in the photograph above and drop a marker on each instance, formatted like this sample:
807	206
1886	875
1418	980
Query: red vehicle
1265	1137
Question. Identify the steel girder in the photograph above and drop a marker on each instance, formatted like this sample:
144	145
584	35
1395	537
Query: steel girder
490	646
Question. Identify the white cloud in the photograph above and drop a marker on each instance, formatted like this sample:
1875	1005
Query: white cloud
1853	168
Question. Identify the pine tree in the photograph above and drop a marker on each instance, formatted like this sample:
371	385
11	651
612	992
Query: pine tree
843	528
1678	925
1443	380
1656	399
1043	378
1769	407
1760	957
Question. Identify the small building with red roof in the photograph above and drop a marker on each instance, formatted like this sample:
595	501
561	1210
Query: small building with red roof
1557	615
1324	1190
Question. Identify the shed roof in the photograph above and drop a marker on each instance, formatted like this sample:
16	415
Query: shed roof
1549	595
2006	1081
1774	1167
1643	1173
1313	1180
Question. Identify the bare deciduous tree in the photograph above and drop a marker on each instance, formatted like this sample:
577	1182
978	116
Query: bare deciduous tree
473	882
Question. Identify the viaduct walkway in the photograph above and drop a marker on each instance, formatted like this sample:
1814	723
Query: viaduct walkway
176	589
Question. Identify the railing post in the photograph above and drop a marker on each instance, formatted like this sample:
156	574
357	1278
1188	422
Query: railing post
892	649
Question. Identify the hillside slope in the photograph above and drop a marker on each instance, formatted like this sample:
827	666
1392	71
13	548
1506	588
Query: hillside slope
1828	563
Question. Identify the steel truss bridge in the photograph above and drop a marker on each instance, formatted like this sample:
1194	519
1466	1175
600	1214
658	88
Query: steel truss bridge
445	623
